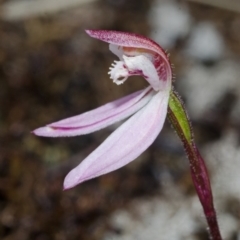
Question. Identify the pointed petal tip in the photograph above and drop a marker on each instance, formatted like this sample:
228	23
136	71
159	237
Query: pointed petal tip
71	180
65	188
91	32
99	34
44	131
36	132
88	31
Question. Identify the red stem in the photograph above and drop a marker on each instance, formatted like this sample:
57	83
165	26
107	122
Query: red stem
200	178
202	185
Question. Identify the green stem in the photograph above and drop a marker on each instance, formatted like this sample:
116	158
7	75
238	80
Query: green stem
178	117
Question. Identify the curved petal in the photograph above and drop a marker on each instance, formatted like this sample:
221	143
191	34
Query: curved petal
125	144
98	118
127	40
131	42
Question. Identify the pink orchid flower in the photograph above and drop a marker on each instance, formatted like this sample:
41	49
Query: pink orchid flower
147	108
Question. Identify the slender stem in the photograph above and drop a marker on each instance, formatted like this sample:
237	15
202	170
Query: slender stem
178	117
202	184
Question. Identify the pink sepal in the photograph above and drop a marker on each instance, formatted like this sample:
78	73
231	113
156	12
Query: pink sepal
125	144
98	118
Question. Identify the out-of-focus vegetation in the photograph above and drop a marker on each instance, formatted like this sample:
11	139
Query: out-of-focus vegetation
50	69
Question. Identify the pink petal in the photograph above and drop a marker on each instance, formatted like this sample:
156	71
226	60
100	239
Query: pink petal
125	144
135	41
127	40
98	118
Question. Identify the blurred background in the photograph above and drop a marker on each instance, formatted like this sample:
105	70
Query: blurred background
50	69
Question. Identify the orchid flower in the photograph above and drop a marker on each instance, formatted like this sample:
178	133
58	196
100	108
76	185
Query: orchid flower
146	111
147	108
